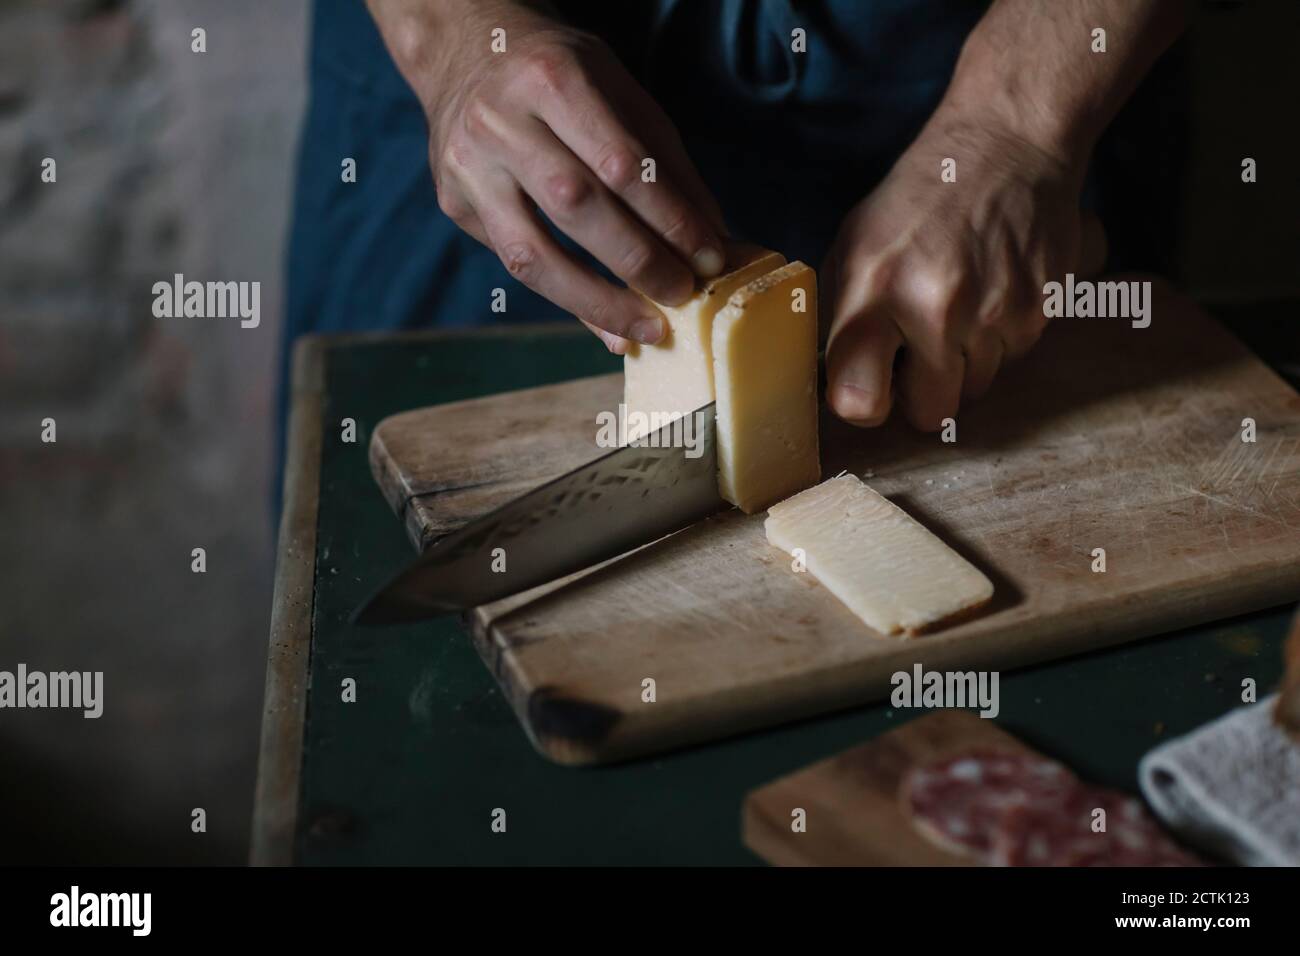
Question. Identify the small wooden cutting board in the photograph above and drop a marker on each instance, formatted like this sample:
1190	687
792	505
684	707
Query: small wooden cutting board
852	808
1105	437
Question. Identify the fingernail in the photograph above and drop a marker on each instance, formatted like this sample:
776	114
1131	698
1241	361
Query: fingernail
616	344
649	329
707	262
855	404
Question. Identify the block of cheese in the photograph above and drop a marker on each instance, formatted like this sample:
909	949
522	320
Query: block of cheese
675	376
765	382
880	562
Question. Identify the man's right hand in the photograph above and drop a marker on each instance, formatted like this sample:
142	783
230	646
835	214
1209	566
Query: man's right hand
556	123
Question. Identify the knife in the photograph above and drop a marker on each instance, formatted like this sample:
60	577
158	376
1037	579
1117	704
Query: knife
629	497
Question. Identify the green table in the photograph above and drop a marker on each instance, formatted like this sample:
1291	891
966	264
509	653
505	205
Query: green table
412	770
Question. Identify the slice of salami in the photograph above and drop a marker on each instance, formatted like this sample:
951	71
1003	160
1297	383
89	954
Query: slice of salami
958	803
1060	833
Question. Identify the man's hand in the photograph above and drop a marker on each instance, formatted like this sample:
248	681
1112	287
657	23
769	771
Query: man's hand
952	273
556	123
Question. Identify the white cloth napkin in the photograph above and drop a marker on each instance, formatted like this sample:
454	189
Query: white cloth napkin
1231	787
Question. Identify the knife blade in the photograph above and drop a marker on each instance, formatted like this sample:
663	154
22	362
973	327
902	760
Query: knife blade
631	496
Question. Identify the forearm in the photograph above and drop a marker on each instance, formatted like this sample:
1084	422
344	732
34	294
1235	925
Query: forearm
426	37
1029	65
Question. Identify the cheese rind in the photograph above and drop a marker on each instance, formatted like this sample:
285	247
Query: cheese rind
879	561
675	376
765	382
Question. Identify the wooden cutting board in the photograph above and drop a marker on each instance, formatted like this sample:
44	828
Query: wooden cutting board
853	813
1106	436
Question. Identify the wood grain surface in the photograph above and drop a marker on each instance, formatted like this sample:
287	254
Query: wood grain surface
284	709
1106	436
854	813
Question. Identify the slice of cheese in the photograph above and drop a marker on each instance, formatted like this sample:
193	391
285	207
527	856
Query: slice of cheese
675	376
874	557
765	379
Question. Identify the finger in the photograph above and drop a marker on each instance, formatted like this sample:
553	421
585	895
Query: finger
682	173
859	368
615	343
532	256
456	207
1094	247
930	386
862	343
453	204
465	218
983	359
585	122
584	210
666	142
936	308
1020	336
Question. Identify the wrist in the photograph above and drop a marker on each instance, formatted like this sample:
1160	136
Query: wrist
434	41
1001	144
1026	106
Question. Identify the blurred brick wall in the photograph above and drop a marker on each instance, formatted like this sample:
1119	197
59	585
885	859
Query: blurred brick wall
168	161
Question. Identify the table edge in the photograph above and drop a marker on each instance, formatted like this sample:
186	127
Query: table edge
284	708
288	664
